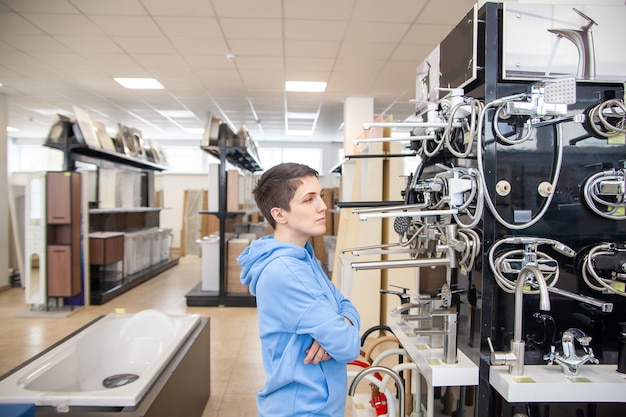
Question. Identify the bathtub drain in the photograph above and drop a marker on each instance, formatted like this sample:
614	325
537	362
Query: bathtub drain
119	380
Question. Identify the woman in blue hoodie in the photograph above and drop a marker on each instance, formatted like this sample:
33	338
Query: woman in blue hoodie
308	330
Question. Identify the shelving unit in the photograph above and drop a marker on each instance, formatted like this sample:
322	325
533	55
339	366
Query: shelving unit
243	156
118	220
63	234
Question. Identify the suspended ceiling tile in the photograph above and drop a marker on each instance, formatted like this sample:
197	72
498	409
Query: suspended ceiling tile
319	9
387	11
63	24
144	45
321	30
14	24
321	49
90	44
256	9
34	43
256	47
189	27
41	6
121	7
178	7
252	28
199	46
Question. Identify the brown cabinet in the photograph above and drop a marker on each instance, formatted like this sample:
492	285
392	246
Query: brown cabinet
63	234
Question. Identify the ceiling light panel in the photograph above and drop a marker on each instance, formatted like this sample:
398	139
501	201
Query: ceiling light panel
305	86
139	83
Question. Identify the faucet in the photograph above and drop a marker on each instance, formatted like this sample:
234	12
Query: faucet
570	362
384	370
448	331
515	357
583	40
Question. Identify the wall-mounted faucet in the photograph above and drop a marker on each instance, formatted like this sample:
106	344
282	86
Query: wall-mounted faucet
515	357
583	40
570	362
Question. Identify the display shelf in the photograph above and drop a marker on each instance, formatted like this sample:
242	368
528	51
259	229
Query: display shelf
545	383
100	157
131	281
243	157
124	210
108	284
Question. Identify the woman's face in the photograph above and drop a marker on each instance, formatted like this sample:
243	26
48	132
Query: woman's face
307	214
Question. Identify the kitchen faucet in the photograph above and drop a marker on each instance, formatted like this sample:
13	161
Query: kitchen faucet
515	357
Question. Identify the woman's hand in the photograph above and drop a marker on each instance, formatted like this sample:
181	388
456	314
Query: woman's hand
316	354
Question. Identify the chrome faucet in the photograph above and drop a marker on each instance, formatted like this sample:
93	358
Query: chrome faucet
583	40
570	362
448	331
515	357
384	370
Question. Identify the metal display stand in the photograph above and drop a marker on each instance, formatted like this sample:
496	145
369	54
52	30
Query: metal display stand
243	157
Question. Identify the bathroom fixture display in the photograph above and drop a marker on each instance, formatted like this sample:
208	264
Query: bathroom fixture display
603	267
605	194
582	39
514	359
429	361
448	330
508	263
605	119
70	376
382	370
569	361
534	109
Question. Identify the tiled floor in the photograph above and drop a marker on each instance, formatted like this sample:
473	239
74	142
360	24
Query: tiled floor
236	371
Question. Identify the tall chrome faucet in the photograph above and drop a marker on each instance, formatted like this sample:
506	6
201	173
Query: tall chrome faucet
583	40
515	357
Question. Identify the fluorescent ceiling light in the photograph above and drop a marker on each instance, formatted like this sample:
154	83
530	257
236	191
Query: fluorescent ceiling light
12	129
195	130
180	114
306	86
140	83
301	115
307	132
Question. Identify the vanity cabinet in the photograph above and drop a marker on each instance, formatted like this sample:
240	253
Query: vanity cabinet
106	259
63	234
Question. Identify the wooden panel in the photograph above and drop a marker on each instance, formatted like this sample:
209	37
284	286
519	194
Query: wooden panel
58	205
106	250
59	271
233	269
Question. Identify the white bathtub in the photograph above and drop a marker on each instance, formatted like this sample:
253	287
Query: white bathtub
72	373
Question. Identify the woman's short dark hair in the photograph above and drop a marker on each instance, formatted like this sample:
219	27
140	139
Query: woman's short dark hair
277	186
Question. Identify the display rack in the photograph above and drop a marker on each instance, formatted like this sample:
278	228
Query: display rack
116	219
241	153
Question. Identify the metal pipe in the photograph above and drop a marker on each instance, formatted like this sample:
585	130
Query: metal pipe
383	370
544	298
424	213
606	307
434	125
393	139
407	263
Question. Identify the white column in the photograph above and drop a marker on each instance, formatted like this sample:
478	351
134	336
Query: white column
4	192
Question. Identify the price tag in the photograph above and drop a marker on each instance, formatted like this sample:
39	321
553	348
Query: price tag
523	379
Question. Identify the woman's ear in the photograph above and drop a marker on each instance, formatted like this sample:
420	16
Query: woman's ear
278	215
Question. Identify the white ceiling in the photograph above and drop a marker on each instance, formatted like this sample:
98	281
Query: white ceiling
55	54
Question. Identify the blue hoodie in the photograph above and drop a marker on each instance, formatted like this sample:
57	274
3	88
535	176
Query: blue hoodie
297	304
